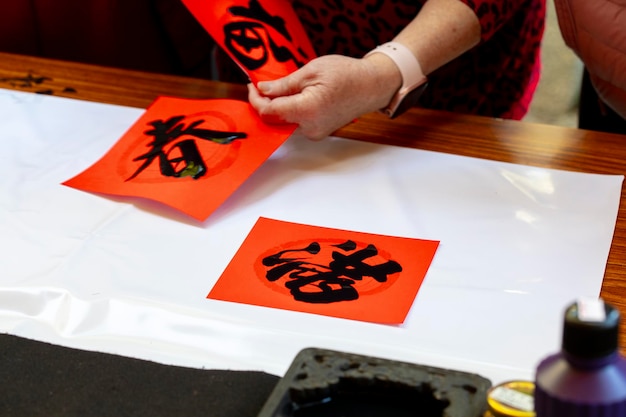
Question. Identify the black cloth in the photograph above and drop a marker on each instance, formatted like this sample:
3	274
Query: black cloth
41	379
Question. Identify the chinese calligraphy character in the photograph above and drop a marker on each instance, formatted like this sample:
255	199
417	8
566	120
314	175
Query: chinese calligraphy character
244	38
320	283
185	152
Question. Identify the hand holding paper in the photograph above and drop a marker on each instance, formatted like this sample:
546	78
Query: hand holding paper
192	154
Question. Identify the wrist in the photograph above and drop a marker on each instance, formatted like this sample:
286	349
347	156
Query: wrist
413	78
384	79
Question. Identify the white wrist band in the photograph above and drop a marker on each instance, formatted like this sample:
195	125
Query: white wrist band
412	76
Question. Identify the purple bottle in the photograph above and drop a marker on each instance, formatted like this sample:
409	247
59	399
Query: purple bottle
588	377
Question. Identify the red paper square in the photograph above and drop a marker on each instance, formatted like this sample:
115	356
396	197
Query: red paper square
189	154
264	37
339	273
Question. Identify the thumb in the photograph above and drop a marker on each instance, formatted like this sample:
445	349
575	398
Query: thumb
285	86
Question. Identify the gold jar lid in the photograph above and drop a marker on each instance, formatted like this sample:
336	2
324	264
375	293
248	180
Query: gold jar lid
512	399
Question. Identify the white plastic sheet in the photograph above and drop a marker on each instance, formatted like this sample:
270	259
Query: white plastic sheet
130	277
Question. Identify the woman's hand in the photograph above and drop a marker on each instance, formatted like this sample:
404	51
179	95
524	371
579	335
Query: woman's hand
327	93
331	91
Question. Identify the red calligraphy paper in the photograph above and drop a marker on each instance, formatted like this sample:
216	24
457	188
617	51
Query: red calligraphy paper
333	272
189	154
264	37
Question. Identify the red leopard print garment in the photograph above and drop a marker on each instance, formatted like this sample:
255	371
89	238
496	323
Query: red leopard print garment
497	78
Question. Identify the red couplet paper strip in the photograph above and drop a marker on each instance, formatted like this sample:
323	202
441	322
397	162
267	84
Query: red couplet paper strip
264	37
189	154
332	272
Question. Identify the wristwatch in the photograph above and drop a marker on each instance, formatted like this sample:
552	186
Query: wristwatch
413	79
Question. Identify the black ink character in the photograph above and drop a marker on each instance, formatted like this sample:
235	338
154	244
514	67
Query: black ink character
34	82
250	35
332	283
168	131
27	81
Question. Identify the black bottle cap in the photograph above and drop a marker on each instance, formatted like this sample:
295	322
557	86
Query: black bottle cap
591	338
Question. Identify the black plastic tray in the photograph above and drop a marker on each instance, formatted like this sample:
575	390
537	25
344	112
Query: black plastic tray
328	383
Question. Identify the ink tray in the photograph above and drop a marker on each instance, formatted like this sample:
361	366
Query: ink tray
336	384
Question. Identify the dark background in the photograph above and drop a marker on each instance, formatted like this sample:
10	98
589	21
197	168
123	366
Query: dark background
150	35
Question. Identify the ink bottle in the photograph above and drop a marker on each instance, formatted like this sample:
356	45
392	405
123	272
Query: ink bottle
587	378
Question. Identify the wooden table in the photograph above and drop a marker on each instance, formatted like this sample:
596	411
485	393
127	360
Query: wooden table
501	140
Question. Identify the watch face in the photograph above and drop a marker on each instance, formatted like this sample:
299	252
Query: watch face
409	100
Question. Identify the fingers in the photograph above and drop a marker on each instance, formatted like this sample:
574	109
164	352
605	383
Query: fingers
276	111
255	98
265	107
